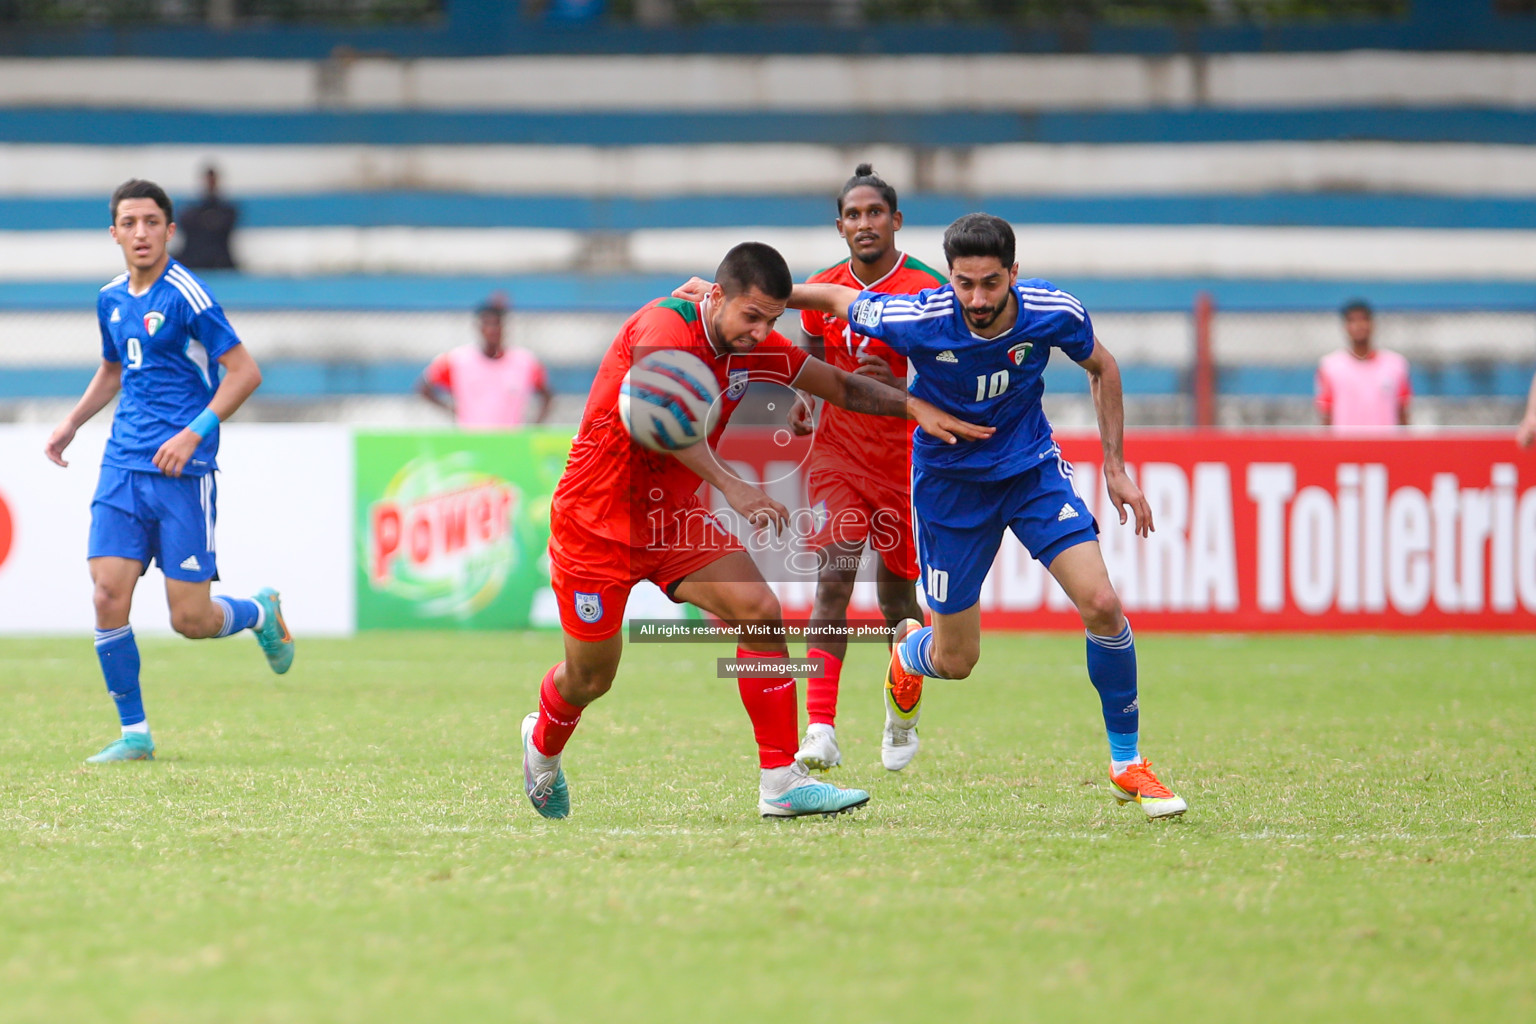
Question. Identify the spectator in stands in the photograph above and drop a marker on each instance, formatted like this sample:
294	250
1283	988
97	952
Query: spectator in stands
205	227
1361	385
487	385
1526	433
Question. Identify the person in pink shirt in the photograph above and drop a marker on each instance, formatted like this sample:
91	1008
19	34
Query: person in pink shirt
1362	386
488	386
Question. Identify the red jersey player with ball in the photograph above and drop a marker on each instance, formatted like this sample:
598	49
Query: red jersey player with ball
859	479
624	513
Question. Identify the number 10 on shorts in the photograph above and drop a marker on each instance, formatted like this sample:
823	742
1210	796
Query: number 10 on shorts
938	585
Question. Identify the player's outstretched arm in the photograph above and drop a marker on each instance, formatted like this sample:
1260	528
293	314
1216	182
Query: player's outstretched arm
754	505
1109	403
103	387
831	299
858	392
241	377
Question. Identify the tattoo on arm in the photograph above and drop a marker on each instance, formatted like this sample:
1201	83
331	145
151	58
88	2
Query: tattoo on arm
864	394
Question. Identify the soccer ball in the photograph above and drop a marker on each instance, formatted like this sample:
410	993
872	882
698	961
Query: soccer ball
669	400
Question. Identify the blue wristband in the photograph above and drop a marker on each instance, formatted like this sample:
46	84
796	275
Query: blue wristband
205	423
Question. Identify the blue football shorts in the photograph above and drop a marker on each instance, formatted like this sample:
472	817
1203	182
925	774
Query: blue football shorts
153	517
960	525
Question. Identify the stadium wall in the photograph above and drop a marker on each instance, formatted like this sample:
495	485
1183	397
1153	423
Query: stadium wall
284	520
1261	531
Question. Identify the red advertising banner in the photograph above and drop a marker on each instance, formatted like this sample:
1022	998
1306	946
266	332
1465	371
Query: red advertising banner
1268	531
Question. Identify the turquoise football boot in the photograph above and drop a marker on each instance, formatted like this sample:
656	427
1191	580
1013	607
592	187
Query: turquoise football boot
273	636
546	789
807	796
133	746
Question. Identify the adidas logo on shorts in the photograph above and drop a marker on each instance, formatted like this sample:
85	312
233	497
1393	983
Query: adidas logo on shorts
190	563
946	356
1067	512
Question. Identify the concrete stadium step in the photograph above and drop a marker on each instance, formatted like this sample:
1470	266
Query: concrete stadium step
586	213
1008	81
1056	251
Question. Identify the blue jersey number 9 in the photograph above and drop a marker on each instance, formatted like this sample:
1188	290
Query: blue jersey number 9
991	387
135	353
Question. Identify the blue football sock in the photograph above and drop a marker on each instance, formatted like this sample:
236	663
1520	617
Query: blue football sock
1112	670
916	652
119	656
239	613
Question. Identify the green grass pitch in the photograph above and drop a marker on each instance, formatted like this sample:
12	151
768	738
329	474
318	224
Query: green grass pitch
350	842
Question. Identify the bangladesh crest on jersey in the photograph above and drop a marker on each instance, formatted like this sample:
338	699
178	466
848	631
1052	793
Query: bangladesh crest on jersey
152	322
589	607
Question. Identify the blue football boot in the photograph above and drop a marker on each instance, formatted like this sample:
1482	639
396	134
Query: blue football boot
273	636
133	746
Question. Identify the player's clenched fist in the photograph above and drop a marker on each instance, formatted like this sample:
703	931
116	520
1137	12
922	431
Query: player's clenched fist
880	370
802	417
172	457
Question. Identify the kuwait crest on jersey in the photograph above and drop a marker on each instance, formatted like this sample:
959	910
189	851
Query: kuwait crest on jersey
152	322
1020	352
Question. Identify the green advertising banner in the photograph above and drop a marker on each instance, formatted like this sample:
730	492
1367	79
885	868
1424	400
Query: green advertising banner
453	527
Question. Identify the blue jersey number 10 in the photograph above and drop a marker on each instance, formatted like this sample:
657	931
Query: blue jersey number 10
991	387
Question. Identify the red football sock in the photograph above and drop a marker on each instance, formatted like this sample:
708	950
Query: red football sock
557	718
821	691
774	708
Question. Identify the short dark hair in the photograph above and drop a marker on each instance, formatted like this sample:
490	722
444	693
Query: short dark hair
864	176
1356	306
138	188
755	265
495	304
979	234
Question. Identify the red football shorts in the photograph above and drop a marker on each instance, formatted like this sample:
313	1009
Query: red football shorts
592	575
855	508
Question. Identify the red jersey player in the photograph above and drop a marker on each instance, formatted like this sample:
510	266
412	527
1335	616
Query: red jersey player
859	476
622	514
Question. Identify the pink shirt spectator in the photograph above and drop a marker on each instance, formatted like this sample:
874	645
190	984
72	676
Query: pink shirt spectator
1370	392
488	393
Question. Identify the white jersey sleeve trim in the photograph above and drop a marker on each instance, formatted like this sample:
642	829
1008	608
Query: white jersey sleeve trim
1056	308
195	296
1052	294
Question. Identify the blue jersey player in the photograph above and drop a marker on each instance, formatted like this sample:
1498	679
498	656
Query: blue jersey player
164	343
979	346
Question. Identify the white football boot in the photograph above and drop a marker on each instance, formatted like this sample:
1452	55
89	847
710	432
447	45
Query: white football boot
903	706
818	751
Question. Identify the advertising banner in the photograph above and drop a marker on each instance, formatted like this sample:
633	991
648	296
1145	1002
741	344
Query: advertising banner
1259	531
453	527
284	521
